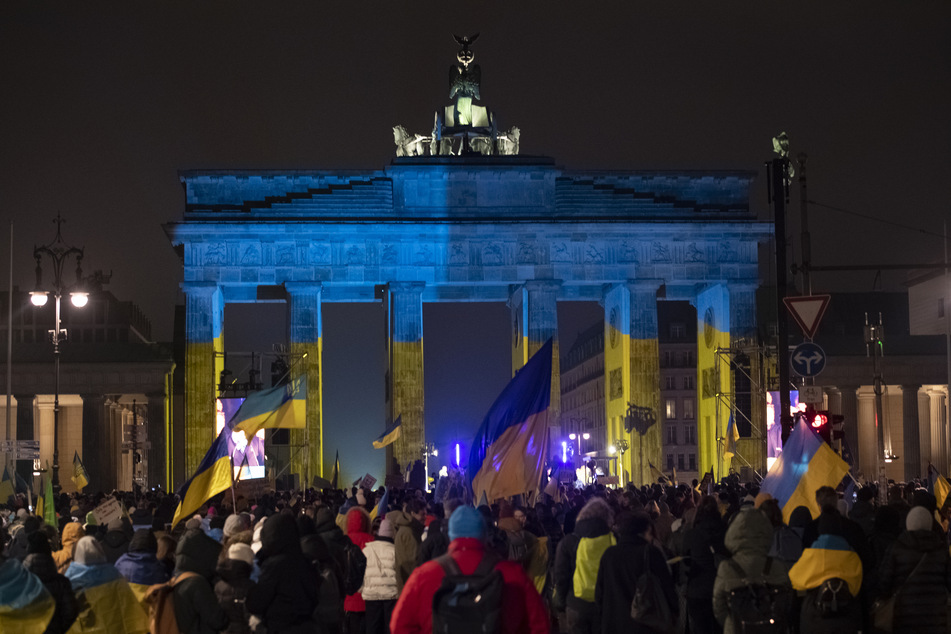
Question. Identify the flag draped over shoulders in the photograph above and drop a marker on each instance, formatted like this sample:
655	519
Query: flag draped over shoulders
508	454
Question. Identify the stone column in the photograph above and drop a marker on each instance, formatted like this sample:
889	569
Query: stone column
713	378
304	335
204	347
534	307
924	428
632	374
43	428
24	431
849	408
912	444
939	437
156	427
405	372
868	437
94	441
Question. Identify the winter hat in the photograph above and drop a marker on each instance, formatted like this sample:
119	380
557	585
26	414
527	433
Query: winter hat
88	551
919	519
193	523
143	542
91	519
466	522
241	552
234	524
21	514
386	528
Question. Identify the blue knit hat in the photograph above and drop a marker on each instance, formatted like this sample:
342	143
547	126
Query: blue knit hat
465	521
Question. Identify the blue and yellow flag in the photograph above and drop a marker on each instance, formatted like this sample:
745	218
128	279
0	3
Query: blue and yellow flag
657	474
380	509
509	450
6	486
389	436
213	476
806	464
732	435
940	488
281	407
80	477
830	556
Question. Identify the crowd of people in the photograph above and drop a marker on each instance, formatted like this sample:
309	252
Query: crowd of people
693	558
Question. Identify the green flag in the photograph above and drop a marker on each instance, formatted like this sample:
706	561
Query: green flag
49	508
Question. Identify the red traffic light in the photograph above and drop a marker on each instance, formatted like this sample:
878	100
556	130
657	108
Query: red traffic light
819	420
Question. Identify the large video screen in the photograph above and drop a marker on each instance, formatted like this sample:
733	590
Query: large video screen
248	458
774	430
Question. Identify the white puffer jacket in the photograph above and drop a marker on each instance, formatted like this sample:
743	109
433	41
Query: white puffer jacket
379	581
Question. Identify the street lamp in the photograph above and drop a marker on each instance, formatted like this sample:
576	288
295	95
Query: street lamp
621	446
58	252
579	436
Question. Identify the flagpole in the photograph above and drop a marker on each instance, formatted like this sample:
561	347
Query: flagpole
234	501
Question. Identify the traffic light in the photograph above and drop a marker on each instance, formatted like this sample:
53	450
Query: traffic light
819	422
837	421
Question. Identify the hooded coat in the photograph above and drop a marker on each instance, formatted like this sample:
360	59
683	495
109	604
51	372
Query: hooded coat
922	601
106	602
287	590
232	588
72	533
332	535
140	566
25	604
407	537
748	539
566	560
115	542
42	565
196	606
358	530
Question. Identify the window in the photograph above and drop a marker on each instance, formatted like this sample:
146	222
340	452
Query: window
688	409
668	358
670	461
678	330
692	461
672	435
690	383
680	461
671	409
689	435
671	382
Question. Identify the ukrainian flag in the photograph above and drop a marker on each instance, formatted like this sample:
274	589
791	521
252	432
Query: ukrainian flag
281	407
829	557
380	509
732	435
806	464
25	604
80	477
509	450
6	487
213	476
389	436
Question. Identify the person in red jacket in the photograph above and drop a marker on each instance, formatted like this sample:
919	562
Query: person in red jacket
522	609
354	607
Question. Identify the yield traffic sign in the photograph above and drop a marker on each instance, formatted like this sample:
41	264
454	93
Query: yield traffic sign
808	310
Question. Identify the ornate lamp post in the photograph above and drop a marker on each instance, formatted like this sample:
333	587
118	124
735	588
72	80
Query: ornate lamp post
58	252
620	445
428	449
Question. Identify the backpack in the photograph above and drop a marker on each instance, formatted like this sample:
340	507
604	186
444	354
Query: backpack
160	600
759	606
355	566
518	547
469	604
587	562
833	598
649	607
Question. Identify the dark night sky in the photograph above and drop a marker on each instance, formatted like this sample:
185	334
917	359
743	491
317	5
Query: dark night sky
103	103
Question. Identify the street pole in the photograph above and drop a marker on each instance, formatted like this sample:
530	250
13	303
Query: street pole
56	335
874	337
778	187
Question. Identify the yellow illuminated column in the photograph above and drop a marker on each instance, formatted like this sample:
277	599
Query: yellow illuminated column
306	353
534	307
405	371
632	375
204	349
713	370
